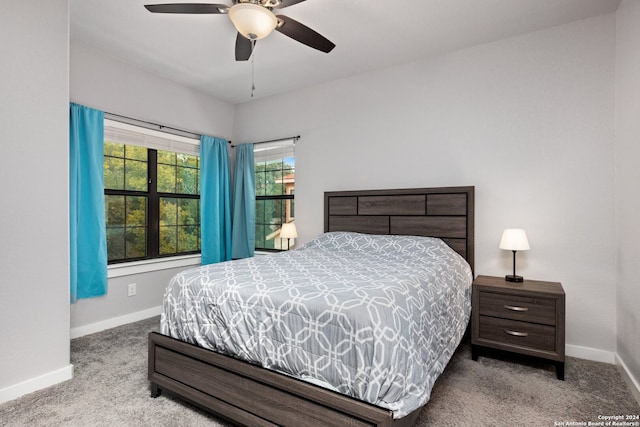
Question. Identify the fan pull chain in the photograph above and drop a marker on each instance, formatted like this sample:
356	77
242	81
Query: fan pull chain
253	69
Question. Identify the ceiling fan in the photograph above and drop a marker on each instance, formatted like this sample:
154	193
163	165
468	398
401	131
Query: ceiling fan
254	20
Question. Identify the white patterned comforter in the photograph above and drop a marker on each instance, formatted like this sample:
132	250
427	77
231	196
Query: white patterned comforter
373	317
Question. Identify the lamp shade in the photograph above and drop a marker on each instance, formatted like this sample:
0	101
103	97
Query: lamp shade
288	231
253	21
514	239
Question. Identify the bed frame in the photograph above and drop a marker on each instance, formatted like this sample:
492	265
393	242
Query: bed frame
247	394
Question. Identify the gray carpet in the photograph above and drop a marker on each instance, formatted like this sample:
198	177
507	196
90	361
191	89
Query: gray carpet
110	388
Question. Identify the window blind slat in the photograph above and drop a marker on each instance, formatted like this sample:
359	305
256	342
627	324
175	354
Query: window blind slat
270	151
127	134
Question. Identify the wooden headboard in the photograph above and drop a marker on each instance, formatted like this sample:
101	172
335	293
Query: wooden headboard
444	212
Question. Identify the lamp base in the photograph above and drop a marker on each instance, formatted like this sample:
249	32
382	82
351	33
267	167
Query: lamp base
512	278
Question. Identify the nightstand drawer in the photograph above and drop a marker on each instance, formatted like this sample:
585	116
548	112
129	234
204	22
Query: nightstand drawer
527	309
504	331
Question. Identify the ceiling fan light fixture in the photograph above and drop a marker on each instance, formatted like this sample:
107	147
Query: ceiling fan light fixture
253	21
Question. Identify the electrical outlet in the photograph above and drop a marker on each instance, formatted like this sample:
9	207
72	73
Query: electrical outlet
132	289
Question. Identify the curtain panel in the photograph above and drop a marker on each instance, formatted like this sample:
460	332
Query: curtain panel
87	228
215	200
244	203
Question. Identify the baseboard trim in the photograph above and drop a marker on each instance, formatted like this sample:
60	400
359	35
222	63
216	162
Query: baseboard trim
590	354
92	328
37	383
634	384
607	357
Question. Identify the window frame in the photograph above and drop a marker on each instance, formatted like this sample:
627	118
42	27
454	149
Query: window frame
153	197
289	142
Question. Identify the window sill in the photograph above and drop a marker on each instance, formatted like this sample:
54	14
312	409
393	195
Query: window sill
146	266
263	253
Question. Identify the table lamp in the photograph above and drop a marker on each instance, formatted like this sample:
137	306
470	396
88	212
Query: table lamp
514	239
288	231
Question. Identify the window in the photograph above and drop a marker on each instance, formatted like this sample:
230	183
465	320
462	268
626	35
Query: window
275	187
152	193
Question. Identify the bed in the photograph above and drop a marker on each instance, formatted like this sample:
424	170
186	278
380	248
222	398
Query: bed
364	385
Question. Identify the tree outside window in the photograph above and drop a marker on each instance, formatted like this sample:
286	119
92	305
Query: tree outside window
152	202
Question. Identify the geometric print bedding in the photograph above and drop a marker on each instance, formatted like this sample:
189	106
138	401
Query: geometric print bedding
373	317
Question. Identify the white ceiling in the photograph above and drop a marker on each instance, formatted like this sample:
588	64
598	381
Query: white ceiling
198	50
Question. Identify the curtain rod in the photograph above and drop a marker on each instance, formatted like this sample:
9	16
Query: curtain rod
164	128
295	138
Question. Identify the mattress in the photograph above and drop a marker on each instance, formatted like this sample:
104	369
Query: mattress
372	317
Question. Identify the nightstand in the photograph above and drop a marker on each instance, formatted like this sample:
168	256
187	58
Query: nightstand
526	318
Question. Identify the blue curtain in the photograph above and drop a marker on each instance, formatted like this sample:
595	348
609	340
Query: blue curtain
215	200
244	203
87	230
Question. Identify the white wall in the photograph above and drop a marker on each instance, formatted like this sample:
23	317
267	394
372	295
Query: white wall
116	307
627	180
100	81
527	120
34	259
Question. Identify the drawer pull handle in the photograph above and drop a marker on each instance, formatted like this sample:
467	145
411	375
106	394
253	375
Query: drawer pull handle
516	333
516	308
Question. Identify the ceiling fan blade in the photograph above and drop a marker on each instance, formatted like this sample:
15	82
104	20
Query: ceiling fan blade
287	3
244	47
303	34
192	8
